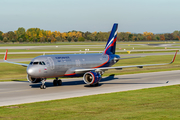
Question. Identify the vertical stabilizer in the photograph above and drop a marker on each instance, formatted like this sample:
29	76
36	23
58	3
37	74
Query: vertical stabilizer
111	44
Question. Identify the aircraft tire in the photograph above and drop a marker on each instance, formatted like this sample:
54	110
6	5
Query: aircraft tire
59	82
42	87
55	82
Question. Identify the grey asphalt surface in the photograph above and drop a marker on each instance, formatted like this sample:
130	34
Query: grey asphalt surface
19	92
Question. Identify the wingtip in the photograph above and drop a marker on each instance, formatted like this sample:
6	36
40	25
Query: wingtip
5	57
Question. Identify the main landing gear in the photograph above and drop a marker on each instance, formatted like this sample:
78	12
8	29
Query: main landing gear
43	86
57	82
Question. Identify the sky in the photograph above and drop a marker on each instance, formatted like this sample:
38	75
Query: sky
136	16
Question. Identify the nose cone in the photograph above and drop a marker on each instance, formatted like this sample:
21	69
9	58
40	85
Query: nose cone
29	71
32	71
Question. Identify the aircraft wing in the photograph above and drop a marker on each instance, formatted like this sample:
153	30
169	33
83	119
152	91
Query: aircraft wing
121	67
5	60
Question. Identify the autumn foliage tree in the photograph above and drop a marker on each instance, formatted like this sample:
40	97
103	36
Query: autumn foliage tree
162	37
40	35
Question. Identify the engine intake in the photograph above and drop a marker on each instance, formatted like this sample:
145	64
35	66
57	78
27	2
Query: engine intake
33	80
91	78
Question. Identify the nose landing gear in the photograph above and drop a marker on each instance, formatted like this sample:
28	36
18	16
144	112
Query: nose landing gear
57	82
43	86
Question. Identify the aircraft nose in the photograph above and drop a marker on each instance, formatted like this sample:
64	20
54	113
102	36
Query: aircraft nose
31	71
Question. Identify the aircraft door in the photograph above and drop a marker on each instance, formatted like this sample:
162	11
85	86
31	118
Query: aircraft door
51	62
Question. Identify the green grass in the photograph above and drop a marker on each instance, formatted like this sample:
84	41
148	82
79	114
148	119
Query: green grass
176	45
16	72
161	103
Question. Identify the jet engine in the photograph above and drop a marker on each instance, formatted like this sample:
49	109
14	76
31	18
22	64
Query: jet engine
33	80
91	78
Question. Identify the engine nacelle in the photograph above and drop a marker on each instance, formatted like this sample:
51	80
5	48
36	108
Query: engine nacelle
33	80
91	78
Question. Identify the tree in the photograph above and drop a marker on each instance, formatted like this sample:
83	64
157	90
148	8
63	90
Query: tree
170	35
130	37
162	37
157	37
64	35
69	38
75	39
86	35
94	36
20	40
58	38
10	35
13	40
81	39
149	38
5	39
1	37
20	33
42	39
49	39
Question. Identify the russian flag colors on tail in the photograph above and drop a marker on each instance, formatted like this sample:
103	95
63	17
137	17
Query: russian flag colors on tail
111	44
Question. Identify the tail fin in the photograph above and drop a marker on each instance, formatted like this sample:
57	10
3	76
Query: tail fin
111	44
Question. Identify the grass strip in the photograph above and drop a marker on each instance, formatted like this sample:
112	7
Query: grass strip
146	104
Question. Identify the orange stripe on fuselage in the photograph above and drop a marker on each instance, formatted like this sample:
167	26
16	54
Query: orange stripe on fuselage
69	74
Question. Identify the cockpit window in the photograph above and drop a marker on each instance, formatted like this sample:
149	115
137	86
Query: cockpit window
43	63
36	63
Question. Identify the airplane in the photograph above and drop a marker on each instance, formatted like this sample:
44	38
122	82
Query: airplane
89	66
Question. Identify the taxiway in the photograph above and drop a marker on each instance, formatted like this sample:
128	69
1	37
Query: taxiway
19	92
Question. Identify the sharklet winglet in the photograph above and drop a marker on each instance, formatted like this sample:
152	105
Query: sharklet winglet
174	57
5	56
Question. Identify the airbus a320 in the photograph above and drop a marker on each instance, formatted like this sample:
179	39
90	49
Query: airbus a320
90	66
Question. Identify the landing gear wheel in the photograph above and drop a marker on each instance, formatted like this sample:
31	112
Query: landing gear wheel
59	82
55	82
42	87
